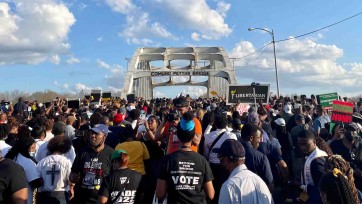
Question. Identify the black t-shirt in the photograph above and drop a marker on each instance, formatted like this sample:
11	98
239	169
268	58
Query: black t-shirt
92	167
185	173
153	148
12	179
125	180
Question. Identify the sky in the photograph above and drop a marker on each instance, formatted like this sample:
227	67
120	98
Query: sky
69	46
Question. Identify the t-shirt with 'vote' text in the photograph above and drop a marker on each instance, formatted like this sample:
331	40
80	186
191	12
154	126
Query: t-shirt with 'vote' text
185	173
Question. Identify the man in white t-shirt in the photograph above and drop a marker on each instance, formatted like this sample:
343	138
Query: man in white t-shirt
58	131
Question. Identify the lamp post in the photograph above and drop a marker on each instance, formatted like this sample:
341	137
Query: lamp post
254	85
271	33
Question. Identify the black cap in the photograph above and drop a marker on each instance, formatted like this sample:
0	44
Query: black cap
232	149
180	102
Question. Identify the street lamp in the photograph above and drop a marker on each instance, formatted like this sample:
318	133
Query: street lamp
254	85
271	33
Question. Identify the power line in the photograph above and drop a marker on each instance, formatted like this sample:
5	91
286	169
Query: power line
238	58
333	24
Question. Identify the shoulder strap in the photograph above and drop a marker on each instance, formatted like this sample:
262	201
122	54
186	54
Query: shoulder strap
215	141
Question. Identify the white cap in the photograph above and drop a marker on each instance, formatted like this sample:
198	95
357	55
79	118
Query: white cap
288	109
280	122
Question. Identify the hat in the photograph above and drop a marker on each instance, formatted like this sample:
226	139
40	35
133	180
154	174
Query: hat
297	105
58	128
232	149
213	106
288	109
299	117
351	127
118	118
100	128
253	118
118	153
280	122
180	102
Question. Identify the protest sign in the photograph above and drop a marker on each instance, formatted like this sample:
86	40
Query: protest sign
342	111
326	100
244	93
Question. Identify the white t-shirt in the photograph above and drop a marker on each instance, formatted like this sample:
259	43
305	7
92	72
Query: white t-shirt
4	148
54	170
43	152
70	132
38	143
48	136
31	173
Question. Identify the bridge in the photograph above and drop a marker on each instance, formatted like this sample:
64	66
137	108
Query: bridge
184	66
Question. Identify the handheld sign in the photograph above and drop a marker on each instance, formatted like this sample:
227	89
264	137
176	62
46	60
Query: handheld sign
213	92
342	112
73	103
131	98
326	100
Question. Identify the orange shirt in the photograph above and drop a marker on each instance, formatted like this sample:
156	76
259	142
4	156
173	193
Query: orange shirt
173	141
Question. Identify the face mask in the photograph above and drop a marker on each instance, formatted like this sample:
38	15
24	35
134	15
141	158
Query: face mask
32	154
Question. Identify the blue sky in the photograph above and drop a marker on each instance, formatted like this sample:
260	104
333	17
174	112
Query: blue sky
67	46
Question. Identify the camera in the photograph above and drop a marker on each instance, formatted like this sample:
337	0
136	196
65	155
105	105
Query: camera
80	133
172	116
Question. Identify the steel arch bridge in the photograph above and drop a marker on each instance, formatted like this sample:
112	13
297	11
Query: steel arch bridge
184	66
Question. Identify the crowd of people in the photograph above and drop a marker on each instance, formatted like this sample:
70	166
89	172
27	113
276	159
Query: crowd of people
179	150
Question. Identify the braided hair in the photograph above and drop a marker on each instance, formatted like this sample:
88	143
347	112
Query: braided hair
345	175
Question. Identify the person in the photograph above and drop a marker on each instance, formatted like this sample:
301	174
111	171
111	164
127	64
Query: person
4	147
54	171
321	120
313	168
256	161
214	140
48	128
166	130
185	176
336	164
14	187
297	155
38	133
137	150
242	186
337	132
58	131
156	155
69	129
123	184
236	125
20	153
21	108
91	165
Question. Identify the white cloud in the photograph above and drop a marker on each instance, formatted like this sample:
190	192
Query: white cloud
303	65
195	91
82	6
73	60
195	36
198	16
100	39
33	31
159	94
139	27
115	78
222	8
65	87
55	59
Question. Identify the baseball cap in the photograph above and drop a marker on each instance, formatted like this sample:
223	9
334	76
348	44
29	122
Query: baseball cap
100	128
232	149
118	153
117	118
351	127
280	122
288	109
180	102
